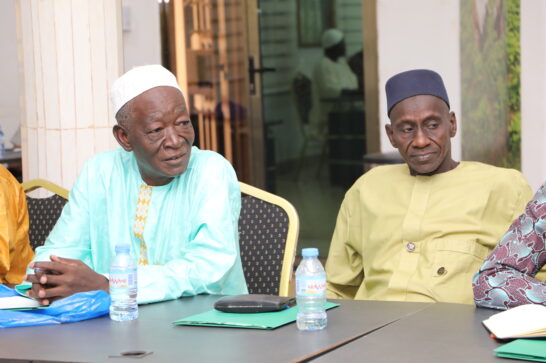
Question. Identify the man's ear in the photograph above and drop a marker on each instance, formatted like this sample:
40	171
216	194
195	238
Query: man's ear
452	124
388	129
120	133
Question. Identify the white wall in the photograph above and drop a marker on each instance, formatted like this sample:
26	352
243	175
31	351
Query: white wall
419	34
533	91
9	89
141	33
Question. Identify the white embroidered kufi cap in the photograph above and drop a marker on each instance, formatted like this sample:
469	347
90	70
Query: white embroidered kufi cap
331	37
137	81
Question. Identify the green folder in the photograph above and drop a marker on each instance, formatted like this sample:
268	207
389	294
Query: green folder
269	320
23	288
524	349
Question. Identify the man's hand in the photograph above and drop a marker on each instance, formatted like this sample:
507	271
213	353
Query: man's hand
62	277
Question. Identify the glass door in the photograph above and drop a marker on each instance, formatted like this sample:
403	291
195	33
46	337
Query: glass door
250	70
209	52
314	141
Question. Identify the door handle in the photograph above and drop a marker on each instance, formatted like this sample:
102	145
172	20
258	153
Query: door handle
252	70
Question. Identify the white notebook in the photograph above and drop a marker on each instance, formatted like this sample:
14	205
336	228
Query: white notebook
18	302
524	321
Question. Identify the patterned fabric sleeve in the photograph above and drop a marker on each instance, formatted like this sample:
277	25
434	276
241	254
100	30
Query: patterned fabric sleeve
506	278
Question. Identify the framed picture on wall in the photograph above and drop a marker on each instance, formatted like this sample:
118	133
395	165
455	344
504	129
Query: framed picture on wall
314	17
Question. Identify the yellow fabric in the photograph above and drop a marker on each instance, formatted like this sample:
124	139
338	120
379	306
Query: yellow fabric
421	238
143	202
15	250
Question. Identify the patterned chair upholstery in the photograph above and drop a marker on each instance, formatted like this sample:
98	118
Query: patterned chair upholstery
268	232
43	212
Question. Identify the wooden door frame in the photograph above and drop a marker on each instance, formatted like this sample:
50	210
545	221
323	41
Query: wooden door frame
256	137
255	111
371	78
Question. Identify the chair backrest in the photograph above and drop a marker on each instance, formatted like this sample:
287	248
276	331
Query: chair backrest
43	212
268	234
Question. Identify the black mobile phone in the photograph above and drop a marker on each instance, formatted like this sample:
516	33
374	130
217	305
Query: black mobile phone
254	303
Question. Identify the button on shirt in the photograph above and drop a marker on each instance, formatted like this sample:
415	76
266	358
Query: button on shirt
421	238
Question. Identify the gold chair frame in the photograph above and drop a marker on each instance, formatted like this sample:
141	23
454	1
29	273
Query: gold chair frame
42	183
291	236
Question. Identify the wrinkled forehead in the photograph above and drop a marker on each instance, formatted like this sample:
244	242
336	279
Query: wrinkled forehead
159	103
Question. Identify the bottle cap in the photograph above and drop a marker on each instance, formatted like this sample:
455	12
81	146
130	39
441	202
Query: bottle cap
309	252
123	248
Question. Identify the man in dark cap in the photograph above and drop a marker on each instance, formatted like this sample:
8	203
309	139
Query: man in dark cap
420	230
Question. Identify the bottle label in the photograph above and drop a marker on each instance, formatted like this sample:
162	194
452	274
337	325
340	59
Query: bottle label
311	285
122	280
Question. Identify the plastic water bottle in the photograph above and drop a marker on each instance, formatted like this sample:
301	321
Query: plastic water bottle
123	285
311	292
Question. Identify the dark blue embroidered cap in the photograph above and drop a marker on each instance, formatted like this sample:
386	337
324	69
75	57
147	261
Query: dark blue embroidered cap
412	83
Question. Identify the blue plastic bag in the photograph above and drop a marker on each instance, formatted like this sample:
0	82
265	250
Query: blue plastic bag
80	306
6	291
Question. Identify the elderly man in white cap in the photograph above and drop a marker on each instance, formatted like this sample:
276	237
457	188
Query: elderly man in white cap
175	205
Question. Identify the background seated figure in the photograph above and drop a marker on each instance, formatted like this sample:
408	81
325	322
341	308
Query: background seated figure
333	79
332	74
175	205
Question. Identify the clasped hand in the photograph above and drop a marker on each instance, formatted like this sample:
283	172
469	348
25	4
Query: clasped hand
62	277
